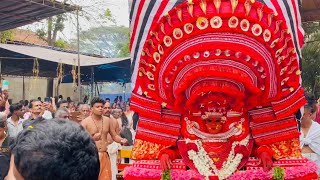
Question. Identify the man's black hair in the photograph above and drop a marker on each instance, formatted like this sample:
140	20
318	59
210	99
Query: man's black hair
311	98
62	102
26	102
32	101
312	107
107	99
39	98
15	107
96	100
3	123
56	149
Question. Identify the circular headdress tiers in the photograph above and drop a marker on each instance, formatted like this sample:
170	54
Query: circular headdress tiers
219	56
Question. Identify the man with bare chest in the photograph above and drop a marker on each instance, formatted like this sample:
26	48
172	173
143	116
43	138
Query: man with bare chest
99	127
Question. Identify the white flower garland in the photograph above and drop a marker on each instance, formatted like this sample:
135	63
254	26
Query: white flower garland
206	166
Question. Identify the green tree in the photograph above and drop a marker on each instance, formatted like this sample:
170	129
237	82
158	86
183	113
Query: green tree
55	25
60	43
107	41
311	63
6	35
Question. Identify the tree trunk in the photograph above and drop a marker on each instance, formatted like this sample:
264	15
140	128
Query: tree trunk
49	38
56	29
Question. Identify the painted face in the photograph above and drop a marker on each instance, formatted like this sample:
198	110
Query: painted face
214	126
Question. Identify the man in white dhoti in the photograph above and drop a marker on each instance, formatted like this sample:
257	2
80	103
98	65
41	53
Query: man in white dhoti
310	135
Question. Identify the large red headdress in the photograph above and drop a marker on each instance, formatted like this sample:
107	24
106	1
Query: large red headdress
218	56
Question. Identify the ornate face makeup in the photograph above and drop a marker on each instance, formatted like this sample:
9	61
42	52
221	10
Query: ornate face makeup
214	126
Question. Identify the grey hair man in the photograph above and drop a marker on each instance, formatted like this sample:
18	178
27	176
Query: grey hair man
84	110
62	113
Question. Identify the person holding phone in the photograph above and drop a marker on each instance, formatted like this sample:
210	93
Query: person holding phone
46	106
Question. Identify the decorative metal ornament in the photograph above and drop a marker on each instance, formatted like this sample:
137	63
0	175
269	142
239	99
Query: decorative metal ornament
151	87
162	28
280	59
203	6
188	28
238	54
190	8
143	53
156	57
270	16
233	22
160	49
187	58
167	80
227	53
234	4
147	52
248	58
155	34
217	5
175	68
247	6
169	19
256	29
150	42
218	52
298	72
177	33
255	64
284	80
179	14
260	69
216	22
273	44
167	41
267	35
260	13
202	23
244	25
206	54
150	76
196	55
282	35
277	26
292	69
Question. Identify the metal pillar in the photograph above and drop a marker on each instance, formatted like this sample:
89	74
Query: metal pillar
78	45
92	81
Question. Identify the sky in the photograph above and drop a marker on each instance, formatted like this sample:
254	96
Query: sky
92	10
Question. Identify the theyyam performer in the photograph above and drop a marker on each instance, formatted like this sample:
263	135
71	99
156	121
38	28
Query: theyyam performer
217	85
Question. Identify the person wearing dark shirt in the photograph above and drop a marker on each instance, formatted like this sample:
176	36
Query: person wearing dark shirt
5	142
36	113
135	119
